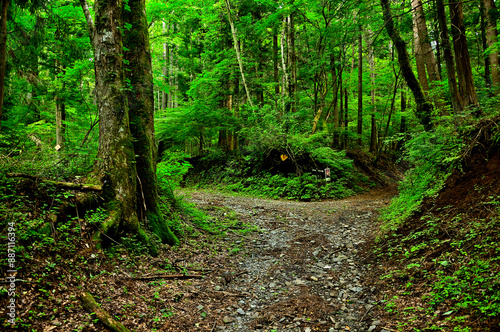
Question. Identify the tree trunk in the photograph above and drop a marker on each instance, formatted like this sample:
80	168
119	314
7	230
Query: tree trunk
346	118
464	69
286	83
456	101
425	44
292	59
275	63
60	117
238	53
487	74
424	108
141	108
373	136
360	89
115	162
417	49
491	39
3	52
164	95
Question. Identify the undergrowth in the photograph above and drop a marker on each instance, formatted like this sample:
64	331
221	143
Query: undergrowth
248	175
440	243
433	156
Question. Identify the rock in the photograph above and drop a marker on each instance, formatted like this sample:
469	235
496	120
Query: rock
371	328
227	319
272	285
240	311
307	329
313	278
376	322
299	282
200	307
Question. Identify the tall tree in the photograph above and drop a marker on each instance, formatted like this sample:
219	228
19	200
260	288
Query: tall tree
456	100
424	108
115	165
3	52
140	98
491	40
238	51
424	42
360	88
464	69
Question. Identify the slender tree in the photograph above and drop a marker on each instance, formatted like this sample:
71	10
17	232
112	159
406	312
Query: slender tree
491	40
456	100
238	52
3	52
424	108
360	89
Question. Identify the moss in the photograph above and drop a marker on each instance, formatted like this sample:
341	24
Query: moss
158	226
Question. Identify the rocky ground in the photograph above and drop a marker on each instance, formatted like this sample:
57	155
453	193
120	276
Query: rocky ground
303	270
267	266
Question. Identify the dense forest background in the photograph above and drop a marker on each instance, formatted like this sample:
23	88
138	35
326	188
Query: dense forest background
132	99
255	75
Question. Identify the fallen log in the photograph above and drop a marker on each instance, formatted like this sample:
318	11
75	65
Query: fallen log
90	304
170	276
64	185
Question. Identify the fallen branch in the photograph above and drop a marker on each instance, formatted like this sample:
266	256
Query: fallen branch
170	276
90	304
231	294
64	185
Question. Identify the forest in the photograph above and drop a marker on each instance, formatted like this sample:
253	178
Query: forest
249	165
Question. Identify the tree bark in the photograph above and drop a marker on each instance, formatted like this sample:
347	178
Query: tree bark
275	63
373	135
424	41
360	88
464	69
292	59
60	114
140	97
3	52
164	95
89	303
417	49
286	83
238	53
115	163
487	74
456	101
424	108
491	39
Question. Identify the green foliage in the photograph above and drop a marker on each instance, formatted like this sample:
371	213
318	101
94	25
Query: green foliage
433	155
171	170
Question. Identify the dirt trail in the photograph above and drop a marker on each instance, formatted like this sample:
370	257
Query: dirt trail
303	271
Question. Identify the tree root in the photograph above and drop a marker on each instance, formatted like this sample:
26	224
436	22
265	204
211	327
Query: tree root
90	304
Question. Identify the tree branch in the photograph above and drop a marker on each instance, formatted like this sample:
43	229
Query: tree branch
64	185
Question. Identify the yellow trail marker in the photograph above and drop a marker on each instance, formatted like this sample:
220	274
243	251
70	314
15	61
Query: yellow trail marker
284	157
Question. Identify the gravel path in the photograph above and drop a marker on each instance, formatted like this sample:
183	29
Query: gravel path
303	271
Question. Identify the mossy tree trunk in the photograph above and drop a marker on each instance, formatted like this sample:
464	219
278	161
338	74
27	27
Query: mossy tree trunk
140	97
115	164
